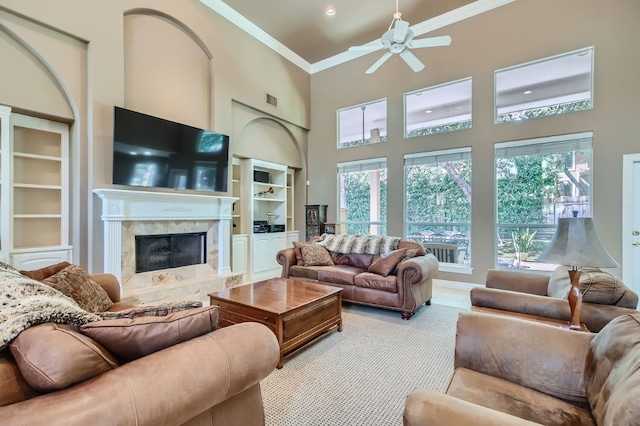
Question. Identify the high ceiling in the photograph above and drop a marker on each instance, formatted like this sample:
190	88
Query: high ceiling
305	28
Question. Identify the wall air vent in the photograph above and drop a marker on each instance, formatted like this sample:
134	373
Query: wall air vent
272	100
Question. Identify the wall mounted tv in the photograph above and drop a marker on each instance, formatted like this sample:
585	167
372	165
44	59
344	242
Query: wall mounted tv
154	152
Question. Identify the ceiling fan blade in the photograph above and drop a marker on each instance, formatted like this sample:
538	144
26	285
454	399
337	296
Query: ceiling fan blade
412	61
366	48
430	42
379	62
400	31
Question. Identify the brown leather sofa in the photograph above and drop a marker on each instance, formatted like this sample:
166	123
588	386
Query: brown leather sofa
211	379
405	289
527	293
511	371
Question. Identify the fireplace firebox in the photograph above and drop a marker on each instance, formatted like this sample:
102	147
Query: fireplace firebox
165	251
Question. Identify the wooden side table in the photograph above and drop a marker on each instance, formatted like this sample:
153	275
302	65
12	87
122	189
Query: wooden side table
535	318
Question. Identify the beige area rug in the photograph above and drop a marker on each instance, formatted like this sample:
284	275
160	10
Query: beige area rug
362	375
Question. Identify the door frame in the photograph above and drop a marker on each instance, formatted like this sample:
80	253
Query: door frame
628	161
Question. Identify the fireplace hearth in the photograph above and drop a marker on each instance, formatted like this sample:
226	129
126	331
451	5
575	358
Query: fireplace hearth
165	251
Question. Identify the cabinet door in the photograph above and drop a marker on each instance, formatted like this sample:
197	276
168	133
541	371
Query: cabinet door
262	253
239	253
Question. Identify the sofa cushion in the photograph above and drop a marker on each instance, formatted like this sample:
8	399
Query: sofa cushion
54	356
387	263
129	339
47	271
151	310
76	283
612	372
13	387
315	255
309	272
376	282
342	274
354	259
596	286
519	401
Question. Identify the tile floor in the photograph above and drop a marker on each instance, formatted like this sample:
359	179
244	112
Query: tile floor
452	293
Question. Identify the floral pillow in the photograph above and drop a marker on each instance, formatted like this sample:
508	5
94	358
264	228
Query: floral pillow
76	283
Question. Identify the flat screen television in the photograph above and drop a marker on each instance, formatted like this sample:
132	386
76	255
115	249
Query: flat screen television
153	152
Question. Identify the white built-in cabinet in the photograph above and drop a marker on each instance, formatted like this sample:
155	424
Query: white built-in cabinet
262	195
34	191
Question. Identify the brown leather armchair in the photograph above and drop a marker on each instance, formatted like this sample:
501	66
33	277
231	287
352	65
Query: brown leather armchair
510	371
527	293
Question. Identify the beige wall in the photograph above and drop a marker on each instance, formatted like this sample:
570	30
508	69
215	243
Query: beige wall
518	32
73	60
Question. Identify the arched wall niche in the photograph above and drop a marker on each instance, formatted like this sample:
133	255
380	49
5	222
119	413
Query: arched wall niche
57	90
168	69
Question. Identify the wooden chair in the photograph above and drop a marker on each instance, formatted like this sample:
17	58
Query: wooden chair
447	253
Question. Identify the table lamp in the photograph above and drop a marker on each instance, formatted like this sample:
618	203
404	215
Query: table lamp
576	244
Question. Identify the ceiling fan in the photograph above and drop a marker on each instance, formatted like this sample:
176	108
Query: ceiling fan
397	39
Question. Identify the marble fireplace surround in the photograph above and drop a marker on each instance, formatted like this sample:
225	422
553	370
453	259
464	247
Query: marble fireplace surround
127	213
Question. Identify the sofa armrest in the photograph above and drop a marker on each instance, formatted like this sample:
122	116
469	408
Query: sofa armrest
417	269
110	284
167	387
429	407
286	258
538	356
524	282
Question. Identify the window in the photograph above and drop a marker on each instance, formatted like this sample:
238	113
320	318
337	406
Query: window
438	109
555	85
537	182
438	200
362	124
362	196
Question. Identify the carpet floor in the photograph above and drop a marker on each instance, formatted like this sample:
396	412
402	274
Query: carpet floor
362	375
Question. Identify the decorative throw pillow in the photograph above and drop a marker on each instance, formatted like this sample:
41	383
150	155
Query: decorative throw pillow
76	283
129	339
315	255
297	248
14	387
596	286
151	310
387	263
55	356
42	273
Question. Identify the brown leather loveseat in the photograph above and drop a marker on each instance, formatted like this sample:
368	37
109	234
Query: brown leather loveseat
543	294
511	371
400	279
210	379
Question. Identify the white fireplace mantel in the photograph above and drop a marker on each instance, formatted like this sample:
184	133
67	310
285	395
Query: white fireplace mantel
120	205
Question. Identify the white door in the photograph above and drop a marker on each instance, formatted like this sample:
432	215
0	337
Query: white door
631	221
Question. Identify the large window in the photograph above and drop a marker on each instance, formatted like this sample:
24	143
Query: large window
438	200
537	182
362	197
362	124
555	85
438	109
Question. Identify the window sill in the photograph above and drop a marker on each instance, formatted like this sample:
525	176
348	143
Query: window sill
455	268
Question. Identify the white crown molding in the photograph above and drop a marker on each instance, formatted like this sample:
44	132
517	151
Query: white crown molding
472	9
252	29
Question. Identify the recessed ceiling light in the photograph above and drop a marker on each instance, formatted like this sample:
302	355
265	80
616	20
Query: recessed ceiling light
527	92
330	11
428	111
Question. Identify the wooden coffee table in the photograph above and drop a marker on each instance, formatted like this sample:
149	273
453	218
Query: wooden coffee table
298	312
543	320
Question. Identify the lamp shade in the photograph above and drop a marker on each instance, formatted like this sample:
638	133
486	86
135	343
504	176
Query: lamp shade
576	243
